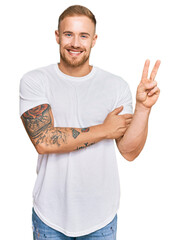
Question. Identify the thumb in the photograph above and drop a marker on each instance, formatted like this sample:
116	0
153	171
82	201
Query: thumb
117	110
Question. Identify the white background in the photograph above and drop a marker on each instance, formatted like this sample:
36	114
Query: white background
129	32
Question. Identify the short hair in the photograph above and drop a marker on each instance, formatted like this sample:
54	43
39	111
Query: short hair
77	10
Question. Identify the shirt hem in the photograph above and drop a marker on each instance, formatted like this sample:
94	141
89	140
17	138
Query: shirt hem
76	234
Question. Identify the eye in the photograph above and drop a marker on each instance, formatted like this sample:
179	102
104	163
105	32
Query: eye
68	34
84	36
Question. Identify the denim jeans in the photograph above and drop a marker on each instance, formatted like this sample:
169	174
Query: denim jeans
43	232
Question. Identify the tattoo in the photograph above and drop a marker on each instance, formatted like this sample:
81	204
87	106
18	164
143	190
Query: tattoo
75	133
85	129
39	126
36	120
57	136
86	145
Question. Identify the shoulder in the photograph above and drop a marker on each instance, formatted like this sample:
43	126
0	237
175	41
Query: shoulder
35	76
112	78
37	72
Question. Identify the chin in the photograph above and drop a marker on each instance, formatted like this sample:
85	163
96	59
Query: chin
74	62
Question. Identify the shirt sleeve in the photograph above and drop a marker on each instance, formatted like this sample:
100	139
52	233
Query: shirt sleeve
125	100
31	92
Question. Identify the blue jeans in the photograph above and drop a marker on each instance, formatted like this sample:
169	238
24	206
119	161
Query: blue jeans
43	232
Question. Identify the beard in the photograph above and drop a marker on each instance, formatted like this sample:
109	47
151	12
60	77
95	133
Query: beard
74	61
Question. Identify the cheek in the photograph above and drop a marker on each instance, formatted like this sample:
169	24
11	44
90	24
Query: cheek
65	42
87	46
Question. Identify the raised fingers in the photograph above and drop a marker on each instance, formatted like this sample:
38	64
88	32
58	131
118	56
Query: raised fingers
147	86
154	71
145	70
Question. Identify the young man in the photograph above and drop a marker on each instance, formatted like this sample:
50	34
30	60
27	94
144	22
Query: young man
72	112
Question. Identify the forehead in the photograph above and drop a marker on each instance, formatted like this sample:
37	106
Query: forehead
77	24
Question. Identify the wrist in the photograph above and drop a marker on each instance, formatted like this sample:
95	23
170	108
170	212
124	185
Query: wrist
141	108
103	131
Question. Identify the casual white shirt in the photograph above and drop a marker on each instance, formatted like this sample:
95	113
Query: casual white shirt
77	192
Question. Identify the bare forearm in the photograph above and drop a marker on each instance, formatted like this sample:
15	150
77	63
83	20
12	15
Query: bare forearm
61	140
134	138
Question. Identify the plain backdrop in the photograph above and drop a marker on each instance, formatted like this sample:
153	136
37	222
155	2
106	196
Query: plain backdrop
129	32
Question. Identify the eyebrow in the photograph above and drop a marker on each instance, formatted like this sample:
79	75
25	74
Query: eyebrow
80	33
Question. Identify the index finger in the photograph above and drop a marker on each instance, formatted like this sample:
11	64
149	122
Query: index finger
128	116
145	70
154	71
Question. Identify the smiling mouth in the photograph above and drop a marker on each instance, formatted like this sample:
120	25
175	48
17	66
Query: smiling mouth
74	53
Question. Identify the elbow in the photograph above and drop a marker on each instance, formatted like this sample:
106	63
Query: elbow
44	149
129	156
40	149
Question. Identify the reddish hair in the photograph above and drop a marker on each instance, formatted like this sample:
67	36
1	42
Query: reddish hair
77	10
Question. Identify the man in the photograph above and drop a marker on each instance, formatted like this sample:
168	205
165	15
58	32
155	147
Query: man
72	113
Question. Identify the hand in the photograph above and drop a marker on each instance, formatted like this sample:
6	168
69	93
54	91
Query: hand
116	125
147	91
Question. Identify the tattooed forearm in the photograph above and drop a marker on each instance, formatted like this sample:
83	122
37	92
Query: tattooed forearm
55	136
39	124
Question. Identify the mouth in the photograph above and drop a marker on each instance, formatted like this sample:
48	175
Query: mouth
74	52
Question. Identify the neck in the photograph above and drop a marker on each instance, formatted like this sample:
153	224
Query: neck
80	71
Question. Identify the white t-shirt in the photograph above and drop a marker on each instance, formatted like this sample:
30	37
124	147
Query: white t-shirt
78	192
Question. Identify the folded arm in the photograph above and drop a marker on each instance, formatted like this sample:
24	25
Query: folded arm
39	124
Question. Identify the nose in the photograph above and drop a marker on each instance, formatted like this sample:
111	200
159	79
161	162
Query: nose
75	42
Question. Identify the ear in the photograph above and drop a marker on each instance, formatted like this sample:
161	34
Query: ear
57	36
94	40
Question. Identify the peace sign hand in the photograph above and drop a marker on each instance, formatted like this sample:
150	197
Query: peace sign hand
147	91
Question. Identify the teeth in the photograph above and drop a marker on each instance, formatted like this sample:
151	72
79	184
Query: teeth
74	52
